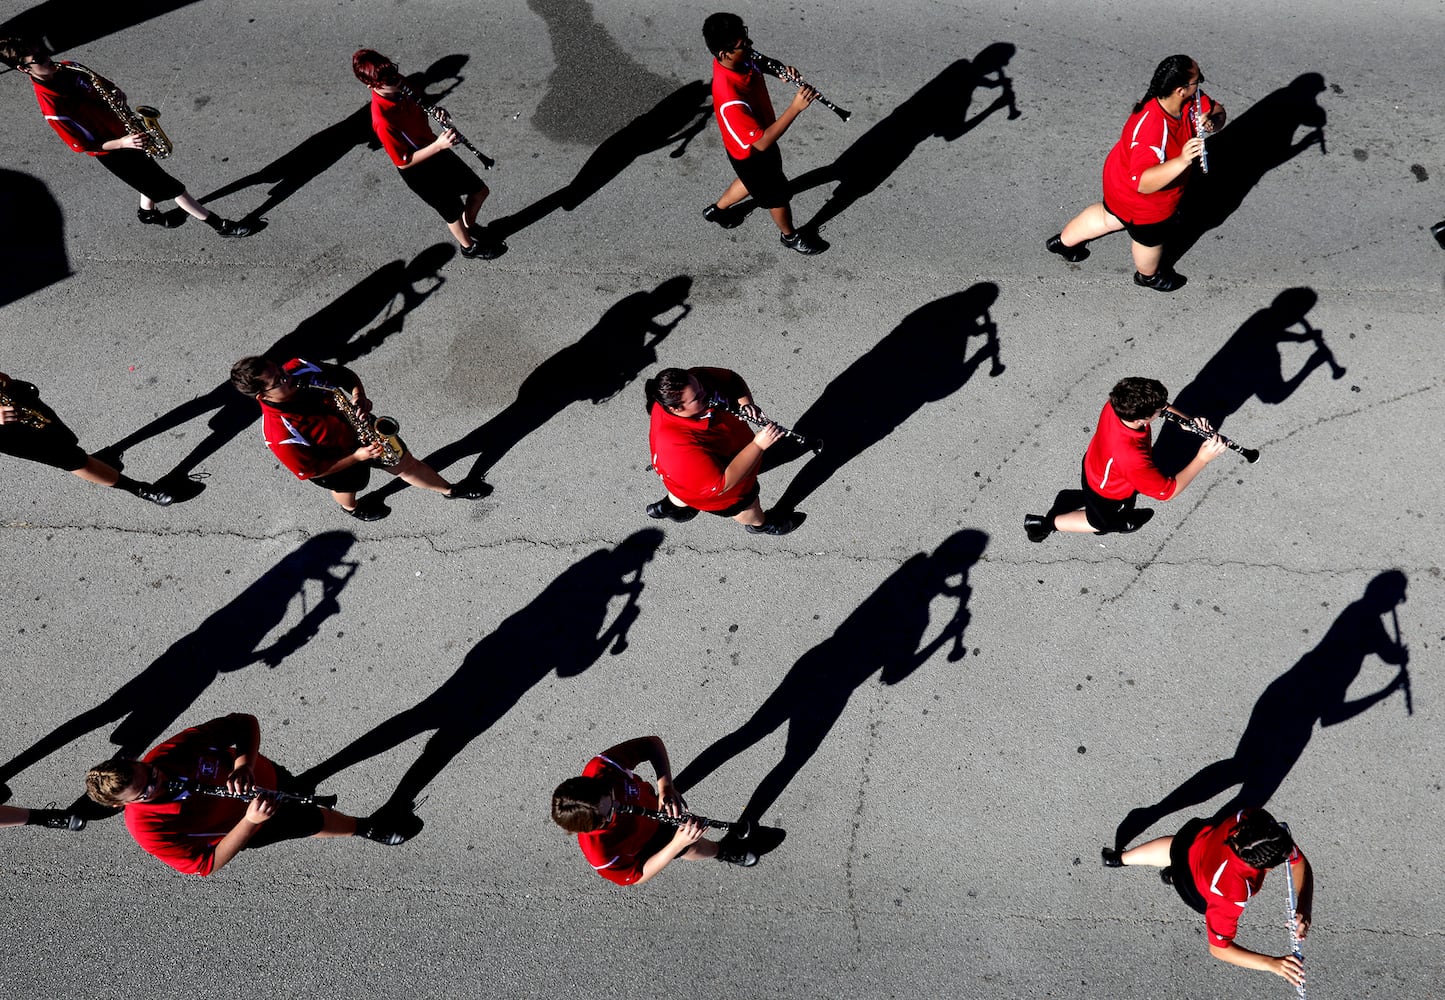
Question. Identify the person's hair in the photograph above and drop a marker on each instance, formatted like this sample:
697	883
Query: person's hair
104	782
574	804
1171	74
249	376
374	69
666	387
720	30
1260	841
12	50
1136	398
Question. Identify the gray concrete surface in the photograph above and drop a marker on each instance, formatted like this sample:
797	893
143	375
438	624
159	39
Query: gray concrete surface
943	838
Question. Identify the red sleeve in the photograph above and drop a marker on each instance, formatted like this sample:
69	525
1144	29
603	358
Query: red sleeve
741	124
1145	475
390	122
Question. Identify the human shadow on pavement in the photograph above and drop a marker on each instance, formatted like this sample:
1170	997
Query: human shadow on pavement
597	367
1247	148
319	152
61	22
677	118
1314	690
919	361
938	110
885	635
228	640
565	629
34	257
334	333
1248	366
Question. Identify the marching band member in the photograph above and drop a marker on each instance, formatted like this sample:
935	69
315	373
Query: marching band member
708	458
425	160
317	442
627	849
70	101
1119	465
750	132
1217	866
1145	174
29	429
197	834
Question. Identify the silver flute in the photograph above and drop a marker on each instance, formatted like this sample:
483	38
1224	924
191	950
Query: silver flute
1197	115
719	400
443	119
1293	923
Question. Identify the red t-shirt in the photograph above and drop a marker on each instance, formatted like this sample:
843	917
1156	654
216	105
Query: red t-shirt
184	833
1223	879
401	125
1150	137
692	455
742	107
1120	461
306	432
71	105
613	850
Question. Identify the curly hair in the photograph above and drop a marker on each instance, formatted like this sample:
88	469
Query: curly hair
1136	398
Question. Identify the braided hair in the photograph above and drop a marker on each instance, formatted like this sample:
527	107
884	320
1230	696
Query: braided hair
1171	74
1260	840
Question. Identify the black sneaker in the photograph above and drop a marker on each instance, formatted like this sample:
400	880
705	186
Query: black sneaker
484	245
1055	244
231	228
1038	527
779	527
666	508
468	491
1439	231
727	218
1163	280
151	216
1111	858
1166	875
362	512
389	830
803	244
56	819
153	493
732	854
1136	520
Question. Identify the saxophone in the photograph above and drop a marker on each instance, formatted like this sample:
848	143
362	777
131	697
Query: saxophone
142	121
26	416
369	430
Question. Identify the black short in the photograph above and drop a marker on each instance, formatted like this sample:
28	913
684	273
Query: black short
1105	515
444	182
352	479
291	821
1148	234
142	173
762	174
1179	864
55	444
743	503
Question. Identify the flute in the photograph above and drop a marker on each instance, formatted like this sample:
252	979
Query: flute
1293	923
741	828
1251	455
1198	120
1404	667
777	69
179	785
811	443
439	116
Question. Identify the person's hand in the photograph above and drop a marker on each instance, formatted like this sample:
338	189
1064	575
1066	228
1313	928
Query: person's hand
448	138
689	833
1288	967
7	414
1192	148
441	114
136	141
1203	424
768	436
752	411
672	803
805	95
1213	448
367	452
360	400
242	779
262	808
1301	925
1214	121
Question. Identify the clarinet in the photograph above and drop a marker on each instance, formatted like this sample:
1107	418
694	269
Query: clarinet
741	828
777	69
1293	923
180	785
1198	122
1251	455
719	400
434	113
